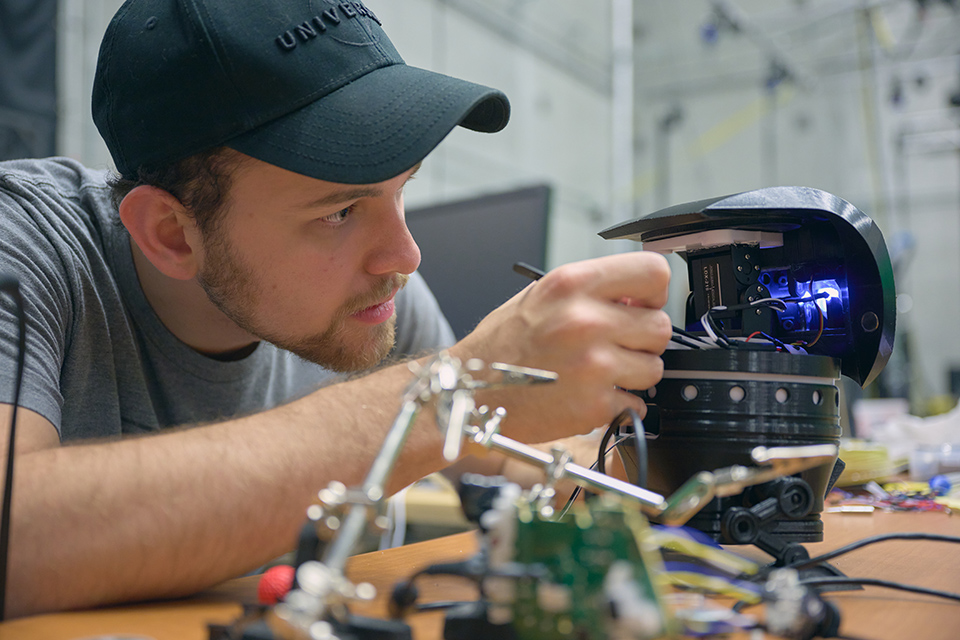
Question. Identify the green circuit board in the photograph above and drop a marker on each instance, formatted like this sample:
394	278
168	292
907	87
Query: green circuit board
601	576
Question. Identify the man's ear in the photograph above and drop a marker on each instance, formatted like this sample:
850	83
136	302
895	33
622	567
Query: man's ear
166	234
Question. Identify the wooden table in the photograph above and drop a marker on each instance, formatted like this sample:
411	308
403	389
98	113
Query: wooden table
872	614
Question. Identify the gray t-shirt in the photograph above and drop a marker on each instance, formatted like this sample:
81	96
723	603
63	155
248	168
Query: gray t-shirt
99	362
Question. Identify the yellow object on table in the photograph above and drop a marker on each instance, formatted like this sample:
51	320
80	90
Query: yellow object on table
865	461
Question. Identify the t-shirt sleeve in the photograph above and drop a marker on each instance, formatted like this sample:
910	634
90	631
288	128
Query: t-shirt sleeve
27	256
421	325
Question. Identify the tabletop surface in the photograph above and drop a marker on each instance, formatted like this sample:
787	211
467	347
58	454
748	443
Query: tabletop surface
873	613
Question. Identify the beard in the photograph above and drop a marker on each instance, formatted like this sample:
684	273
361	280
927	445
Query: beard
234	288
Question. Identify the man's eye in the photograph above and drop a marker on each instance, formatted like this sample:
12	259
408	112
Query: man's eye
337	217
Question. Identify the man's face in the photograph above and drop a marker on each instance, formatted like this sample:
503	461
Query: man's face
311	266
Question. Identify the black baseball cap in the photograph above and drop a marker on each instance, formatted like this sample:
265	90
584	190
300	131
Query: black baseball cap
313	86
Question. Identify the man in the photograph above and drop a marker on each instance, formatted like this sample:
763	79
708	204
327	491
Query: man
263	148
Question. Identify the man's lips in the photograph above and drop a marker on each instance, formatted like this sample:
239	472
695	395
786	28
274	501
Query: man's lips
377	313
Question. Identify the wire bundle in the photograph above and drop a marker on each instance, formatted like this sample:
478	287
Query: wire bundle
716	338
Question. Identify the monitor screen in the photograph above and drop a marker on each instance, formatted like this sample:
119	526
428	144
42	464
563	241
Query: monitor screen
469	248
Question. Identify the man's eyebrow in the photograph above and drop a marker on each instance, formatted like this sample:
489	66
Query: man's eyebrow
344	195
352	193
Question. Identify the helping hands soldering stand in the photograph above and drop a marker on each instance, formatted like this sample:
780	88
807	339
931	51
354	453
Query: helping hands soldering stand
317	608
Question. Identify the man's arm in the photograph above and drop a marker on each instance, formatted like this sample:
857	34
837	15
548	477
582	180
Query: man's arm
170	514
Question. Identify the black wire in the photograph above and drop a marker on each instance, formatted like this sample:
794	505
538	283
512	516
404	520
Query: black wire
776	341
813	582
722	340
12	288
687	334
685	342
462	569
802	564
640	444
812	296
606	447
573	496
604	441
578	488
775	303
404	593
687	339
778	303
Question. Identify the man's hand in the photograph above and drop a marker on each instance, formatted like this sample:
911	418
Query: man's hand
598	324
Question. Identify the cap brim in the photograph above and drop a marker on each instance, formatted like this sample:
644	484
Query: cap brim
376	127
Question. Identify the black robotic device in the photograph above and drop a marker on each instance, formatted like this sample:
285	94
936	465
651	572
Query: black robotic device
790	287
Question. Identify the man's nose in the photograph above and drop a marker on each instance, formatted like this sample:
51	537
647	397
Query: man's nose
395	250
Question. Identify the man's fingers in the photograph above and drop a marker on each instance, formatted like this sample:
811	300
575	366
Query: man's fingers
640	277
602	386
641	329
593	323
638	370
598	324
625	400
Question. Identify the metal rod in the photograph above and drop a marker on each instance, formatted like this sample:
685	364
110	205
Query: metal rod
355	522
650	502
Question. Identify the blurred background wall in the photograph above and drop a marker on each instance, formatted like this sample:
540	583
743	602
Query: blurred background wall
28	92
626	106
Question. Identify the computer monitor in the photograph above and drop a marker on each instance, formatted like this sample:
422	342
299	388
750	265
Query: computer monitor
469	248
